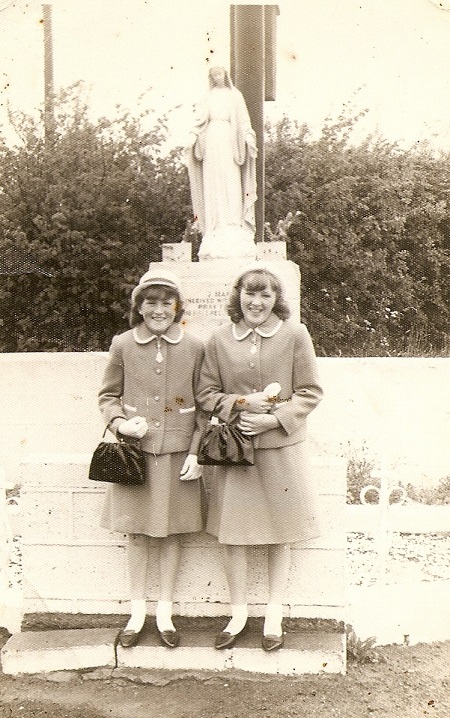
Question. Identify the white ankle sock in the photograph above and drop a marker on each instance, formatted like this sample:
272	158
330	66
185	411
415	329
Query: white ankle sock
239	615
164	616
273	618
138	613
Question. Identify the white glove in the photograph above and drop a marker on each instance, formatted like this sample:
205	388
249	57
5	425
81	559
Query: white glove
190	469
136	427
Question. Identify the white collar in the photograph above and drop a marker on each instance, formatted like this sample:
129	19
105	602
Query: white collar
170	339
257	330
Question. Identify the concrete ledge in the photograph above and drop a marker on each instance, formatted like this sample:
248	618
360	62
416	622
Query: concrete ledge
46	651
313	652
306	651
409	518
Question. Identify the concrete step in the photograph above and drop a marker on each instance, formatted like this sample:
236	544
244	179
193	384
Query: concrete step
305	651
46	651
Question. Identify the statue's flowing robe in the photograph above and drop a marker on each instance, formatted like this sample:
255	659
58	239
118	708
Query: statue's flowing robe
220	163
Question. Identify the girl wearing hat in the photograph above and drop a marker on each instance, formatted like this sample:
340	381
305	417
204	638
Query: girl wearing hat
273	502
148	393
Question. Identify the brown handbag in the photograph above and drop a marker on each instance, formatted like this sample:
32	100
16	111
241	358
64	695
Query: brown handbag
224	445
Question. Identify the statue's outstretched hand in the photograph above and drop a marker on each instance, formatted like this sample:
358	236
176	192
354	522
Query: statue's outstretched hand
251	145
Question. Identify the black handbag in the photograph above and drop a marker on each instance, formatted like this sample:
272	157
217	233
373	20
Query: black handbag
224	445
121	462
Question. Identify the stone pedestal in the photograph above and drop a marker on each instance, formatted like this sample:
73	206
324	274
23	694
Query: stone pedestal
177	252
271	251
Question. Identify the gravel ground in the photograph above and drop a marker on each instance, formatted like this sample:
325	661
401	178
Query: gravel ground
397	681
421	557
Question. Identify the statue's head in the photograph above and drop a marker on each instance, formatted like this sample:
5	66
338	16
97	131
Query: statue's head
219	77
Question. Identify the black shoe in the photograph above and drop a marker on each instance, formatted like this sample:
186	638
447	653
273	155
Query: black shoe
226	639
169	639
272	643
128	638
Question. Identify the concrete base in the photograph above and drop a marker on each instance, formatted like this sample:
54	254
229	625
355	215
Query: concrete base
305	651
61	538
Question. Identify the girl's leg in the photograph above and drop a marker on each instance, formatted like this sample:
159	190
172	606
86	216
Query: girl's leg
169	563
279	561
235	564
137	561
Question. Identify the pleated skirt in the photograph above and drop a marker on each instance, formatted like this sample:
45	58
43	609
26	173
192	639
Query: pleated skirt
273	502
163	506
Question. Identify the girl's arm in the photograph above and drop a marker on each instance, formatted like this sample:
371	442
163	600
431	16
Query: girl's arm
111	390
307	391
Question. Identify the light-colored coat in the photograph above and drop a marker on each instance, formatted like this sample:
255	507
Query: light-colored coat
136	384
230	370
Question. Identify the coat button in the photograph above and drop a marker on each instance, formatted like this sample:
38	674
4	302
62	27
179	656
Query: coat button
158	371
157	424
252	365
157	398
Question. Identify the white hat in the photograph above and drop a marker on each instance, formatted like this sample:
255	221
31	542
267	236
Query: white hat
159	277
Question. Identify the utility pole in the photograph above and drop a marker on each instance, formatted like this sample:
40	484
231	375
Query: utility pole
49	92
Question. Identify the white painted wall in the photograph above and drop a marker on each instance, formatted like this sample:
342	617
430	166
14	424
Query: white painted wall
398	409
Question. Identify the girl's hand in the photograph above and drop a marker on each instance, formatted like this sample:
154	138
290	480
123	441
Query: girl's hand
136	427
190	469
256	403
253	424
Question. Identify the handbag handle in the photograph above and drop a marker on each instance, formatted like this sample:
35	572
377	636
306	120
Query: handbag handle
117	435
212	414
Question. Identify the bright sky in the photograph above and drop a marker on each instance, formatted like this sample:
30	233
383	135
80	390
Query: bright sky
390	56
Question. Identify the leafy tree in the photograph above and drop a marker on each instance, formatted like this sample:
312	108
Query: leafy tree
370	234
84	216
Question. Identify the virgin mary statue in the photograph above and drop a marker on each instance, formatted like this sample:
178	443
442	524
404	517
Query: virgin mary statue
221	162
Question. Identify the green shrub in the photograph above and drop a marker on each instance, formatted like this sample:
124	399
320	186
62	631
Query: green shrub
80	220
432	495
359	474
82	215
358	650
